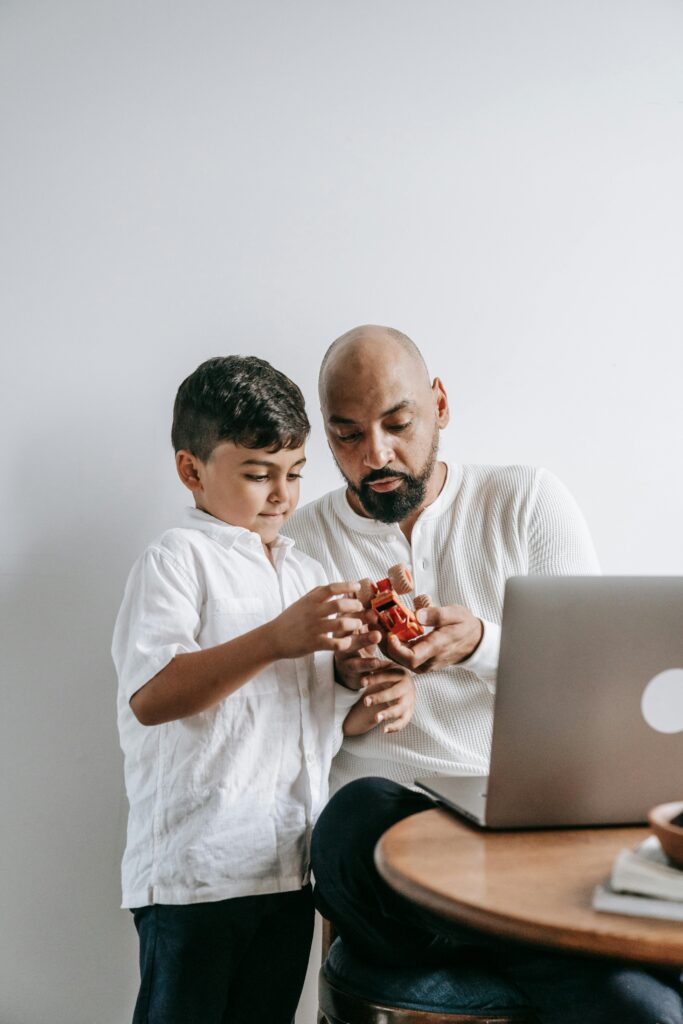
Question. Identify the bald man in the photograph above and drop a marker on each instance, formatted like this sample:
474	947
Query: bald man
464	530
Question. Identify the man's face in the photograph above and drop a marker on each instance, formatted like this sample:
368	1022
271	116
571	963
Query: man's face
383	432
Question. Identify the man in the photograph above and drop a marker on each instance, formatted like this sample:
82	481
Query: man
464	530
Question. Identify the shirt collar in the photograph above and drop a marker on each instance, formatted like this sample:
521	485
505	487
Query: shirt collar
226	534
362	524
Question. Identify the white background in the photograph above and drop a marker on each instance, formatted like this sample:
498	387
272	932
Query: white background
501	179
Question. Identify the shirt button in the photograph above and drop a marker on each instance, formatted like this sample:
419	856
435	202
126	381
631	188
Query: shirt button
424	563
310	758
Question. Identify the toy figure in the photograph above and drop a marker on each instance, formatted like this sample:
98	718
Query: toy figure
382	599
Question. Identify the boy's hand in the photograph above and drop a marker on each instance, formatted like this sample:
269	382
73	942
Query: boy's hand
389	701
352	668
322	620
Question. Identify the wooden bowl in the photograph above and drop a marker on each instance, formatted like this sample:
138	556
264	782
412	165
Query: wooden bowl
670	836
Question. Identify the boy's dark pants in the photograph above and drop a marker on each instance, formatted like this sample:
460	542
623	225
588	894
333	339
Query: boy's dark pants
237	961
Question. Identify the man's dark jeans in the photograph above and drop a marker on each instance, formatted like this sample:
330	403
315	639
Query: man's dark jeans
387	929
238	961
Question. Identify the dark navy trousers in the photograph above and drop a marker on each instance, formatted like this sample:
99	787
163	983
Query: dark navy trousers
237	961
384	928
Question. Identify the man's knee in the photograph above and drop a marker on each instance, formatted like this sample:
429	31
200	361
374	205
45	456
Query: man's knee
356	817
638	995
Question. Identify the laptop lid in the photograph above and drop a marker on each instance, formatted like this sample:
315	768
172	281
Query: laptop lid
588	717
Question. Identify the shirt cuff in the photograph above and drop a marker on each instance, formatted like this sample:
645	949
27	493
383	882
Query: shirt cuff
344	698
484	661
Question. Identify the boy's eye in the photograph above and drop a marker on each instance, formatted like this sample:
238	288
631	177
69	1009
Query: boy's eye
295	476
259	479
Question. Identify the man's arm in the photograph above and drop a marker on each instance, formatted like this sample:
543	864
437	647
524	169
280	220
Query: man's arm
558	544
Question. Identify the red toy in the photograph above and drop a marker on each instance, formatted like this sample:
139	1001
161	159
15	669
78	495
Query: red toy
382	598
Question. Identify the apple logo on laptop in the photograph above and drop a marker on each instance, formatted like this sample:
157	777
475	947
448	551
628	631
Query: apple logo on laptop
662	701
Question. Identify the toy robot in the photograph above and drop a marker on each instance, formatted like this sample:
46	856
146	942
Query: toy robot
382	598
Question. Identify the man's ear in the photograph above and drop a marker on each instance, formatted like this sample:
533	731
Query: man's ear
443	413
187	466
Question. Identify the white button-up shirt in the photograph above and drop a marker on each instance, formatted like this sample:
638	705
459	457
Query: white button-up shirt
222	803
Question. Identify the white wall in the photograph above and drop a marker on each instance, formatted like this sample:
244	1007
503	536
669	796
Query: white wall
501	180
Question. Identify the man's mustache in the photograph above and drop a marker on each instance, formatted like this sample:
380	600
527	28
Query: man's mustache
382	474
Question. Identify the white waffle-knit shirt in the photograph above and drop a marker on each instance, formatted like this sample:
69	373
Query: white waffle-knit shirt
487	524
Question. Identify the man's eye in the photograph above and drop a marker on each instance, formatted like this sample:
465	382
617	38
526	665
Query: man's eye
398	427
346	438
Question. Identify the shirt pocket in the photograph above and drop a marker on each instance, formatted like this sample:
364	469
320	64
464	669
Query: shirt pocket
224	618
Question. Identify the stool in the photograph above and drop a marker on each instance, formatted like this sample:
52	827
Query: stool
351	991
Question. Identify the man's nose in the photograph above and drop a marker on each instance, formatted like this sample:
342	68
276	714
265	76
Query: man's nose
377	452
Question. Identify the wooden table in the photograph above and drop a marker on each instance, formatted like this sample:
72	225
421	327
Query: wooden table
535	886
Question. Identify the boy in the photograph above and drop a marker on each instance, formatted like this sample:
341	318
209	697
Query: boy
224	650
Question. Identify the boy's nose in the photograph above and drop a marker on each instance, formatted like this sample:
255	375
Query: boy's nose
278	495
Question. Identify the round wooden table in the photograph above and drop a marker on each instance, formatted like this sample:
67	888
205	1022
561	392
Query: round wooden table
534	886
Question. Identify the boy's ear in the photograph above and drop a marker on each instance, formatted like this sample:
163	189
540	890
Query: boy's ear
187	465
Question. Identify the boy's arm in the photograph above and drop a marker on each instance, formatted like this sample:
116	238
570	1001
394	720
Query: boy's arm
196	681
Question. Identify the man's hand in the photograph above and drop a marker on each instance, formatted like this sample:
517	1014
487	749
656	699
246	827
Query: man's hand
455	636
388	701
326	619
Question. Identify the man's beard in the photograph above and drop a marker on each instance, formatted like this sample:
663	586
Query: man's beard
394	506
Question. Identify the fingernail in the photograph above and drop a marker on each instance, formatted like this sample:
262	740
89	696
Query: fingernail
421	616
380	717
367	702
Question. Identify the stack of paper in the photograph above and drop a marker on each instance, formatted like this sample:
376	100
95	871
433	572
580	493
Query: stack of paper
643	883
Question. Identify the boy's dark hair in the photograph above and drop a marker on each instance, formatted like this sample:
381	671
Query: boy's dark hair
240	399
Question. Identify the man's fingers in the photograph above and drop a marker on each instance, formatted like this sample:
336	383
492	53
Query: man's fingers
449	615
402	653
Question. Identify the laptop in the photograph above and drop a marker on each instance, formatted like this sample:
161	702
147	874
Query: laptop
588	714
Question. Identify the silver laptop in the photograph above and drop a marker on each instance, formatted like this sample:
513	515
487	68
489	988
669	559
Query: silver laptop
588	717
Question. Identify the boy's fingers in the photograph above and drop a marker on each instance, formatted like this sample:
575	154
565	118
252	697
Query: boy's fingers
332	589
339	627
357	663
340	605
396	725
359	641
381	682
341	644
384	699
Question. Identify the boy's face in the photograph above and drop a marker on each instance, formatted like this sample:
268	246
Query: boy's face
250	487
